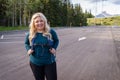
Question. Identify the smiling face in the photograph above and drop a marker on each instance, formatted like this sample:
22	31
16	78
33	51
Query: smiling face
39	24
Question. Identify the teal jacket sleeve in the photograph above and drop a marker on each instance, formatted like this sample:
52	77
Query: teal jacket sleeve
27	43
55	39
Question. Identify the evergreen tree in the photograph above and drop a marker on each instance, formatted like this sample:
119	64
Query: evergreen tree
58	12
3	8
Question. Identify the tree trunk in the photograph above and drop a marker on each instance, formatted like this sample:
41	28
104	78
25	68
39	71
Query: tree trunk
20	23
13	17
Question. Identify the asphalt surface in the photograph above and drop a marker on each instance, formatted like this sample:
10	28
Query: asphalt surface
85	53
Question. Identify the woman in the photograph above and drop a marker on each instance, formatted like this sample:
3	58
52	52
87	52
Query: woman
41	44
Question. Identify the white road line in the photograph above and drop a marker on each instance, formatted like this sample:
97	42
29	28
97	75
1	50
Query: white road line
12	38
15	35
25	33
13	42
82	38
2	37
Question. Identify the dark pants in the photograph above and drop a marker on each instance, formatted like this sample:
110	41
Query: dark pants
40	72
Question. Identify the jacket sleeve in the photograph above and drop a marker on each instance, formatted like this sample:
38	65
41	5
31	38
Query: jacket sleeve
55	39
27	43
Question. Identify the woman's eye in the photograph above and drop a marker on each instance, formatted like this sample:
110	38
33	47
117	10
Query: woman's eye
37	21
41	20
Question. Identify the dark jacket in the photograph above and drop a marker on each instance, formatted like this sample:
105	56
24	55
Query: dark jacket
41	54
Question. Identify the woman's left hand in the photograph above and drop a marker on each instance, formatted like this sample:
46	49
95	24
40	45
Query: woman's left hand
52	50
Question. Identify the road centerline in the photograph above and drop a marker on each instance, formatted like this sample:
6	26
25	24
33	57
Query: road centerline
82	38
2	37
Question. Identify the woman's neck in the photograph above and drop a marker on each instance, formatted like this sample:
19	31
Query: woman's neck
40	31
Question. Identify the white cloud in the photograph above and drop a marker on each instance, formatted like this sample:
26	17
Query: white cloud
110	6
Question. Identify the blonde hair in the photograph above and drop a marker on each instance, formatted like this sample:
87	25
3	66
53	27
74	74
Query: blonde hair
33	30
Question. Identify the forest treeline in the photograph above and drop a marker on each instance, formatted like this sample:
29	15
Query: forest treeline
58	12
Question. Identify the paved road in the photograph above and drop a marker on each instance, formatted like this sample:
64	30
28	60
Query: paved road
87	53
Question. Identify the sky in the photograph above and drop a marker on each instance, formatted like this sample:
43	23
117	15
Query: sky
97	6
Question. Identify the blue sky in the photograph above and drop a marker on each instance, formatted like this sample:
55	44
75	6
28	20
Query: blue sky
97	6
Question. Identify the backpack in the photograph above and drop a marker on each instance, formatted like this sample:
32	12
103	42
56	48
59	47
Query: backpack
49	42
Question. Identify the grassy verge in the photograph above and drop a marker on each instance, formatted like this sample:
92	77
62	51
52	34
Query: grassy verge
4	28
104	21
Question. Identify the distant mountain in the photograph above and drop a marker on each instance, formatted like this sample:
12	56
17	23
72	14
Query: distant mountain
103	14
116	15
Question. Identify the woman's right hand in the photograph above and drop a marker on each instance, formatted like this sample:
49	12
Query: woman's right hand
30	51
